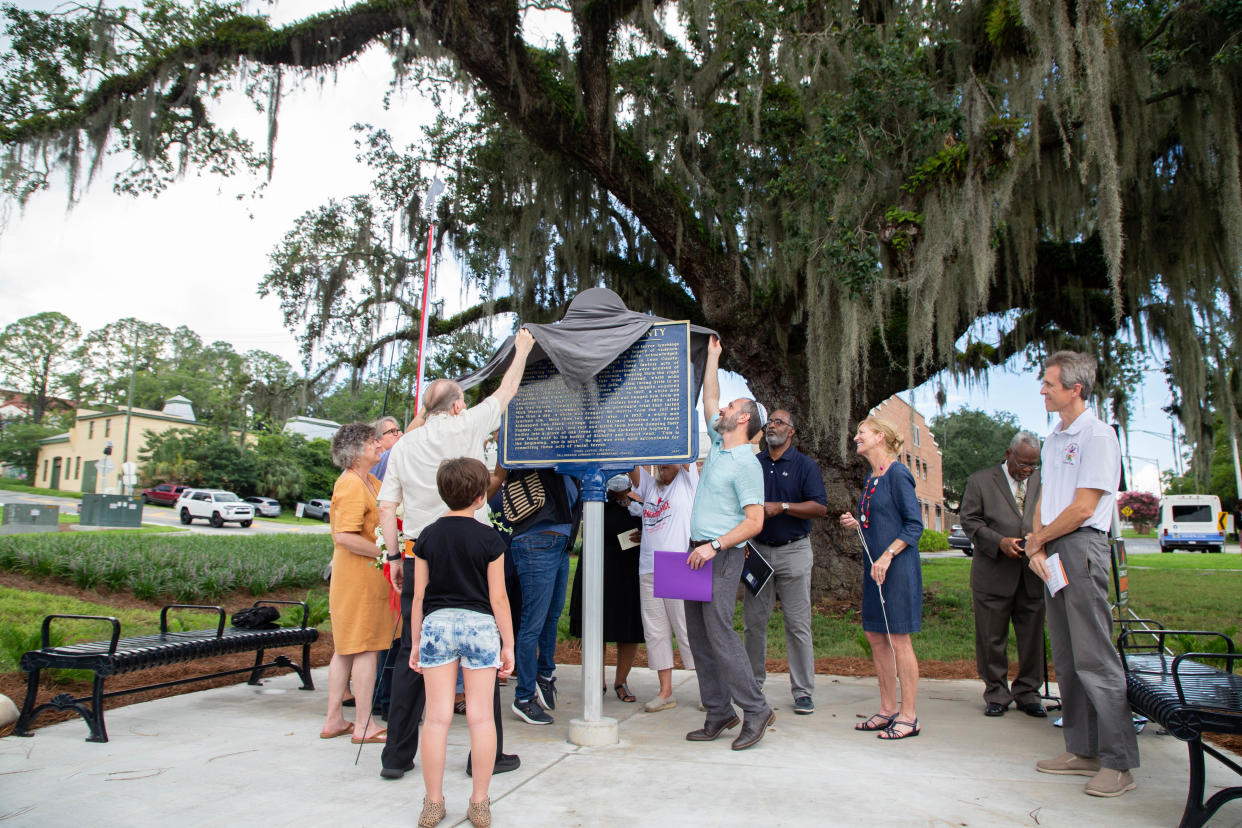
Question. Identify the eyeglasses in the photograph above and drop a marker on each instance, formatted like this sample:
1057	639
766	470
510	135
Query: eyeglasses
392	431
1022	465
778	421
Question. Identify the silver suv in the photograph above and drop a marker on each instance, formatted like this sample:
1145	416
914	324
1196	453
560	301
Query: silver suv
214	505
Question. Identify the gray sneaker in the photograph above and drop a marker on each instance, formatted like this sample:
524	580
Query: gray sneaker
803	706
1109	782
1070	763
529	711
545	689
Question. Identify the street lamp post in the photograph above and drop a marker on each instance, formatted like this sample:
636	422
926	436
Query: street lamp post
1171	437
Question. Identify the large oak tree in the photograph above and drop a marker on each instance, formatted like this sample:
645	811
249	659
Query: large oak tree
842	189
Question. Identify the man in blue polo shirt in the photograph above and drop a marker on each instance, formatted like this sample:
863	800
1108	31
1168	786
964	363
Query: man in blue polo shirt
793	494
727	512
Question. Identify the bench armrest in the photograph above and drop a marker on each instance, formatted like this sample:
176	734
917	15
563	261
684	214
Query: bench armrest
164	616
302	604
1126	642
116	628
1198	658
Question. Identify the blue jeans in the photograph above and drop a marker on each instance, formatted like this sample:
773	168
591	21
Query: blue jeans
543	569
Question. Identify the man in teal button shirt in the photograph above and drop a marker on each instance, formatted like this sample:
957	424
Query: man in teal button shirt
728	511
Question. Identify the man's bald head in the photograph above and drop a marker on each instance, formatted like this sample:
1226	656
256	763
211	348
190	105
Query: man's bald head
441	397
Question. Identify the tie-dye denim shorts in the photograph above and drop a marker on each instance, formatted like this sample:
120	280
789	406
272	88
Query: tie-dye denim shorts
452	634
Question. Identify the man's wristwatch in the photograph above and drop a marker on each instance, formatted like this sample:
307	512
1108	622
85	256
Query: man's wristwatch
784	507
716	545
395	557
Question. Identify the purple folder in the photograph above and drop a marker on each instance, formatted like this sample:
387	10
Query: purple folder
675	579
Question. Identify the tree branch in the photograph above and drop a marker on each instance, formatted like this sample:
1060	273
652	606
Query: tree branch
525	86
326	39
435	327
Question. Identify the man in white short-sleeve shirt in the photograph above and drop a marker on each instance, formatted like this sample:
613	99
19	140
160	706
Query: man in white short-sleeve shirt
449	430
1081	470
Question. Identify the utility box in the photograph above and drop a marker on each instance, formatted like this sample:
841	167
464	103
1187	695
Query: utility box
30	517
115	511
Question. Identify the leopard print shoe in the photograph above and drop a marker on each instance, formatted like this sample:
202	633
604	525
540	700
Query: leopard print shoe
480	813
432	813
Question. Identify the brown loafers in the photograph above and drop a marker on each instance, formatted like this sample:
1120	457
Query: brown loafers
753	731
710	730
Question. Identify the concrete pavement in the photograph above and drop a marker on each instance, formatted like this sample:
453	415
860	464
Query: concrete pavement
252	755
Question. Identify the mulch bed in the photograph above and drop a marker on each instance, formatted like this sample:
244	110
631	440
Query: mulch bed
13	685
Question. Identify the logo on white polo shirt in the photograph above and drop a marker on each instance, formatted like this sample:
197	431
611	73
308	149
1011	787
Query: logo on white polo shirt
1071	454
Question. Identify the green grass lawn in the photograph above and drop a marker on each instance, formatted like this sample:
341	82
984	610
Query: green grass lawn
75	520
16	486
1182	591
287	516
21	618
1184	560
1198	592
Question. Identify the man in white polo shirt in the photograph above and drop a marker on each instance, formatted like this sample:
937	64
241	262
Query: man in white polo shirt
451	430
1081	470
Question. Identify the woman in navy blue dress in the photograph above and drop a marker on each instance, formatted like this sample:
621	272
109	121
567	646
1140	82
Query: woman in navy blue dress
888	516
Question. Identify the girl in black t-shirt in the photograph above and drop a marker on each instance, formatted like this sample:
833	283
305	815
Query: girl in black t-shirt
460	613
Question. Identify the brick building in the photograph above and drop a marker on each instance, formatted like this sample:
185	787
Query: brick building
922	456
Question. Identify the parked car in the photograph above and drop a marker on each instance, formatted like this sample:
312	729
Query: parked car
317	510
214	505
165	494
958	540
264	506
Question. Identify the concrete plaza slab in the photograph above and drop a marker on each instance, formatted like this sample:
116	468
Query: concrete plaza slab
251	755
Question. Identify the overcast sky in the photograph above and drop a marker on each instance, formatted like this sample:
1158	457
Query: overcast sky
195	255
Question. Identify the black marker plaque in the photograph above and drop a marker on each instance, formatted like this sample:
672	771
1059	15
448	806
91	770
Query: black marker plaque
636	410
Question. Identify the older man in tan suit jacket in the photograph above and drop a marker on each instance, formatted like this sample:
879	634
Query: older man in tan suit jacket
996	514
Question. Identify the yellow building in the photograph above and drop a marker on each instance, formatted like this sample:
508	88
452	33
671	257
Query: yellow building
68	461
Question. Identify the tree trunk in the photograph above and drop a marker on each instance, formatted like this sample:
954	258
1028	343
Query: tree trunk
837	573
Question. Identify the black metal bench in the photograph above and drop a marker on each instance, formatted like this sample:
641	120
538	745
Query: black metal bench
1188	698
126	655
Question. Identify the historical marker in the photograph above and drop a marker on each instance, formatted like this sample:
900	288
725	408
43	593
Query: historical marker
637	410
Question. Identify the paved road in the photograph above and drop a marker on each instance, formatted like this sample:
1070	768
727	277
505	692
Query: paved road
164	516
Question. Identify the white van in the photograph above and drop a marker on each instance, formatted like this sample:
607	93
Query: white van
1191	522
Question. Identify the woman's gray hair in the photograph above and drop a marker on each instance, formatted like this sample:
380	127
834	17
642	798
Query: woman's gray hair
350	443
1024	438
1075	367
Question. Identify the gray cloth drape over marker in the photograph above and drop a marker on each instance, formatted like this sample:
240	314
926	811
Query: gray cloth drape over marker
596	329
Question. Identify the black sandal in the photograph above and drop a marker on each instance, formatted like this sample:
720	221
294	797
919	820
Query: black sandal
892	734
877	722
623	692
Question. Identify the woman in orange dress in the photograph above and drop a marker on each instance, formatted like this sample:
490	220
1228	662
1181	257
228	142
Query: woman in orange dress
362	618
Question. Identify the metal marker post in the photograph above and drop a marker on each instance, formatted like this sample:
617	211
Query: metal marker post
593	589
593	728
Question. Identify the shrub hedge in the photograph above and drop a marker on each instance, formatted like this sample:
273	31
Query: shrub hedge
187	568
